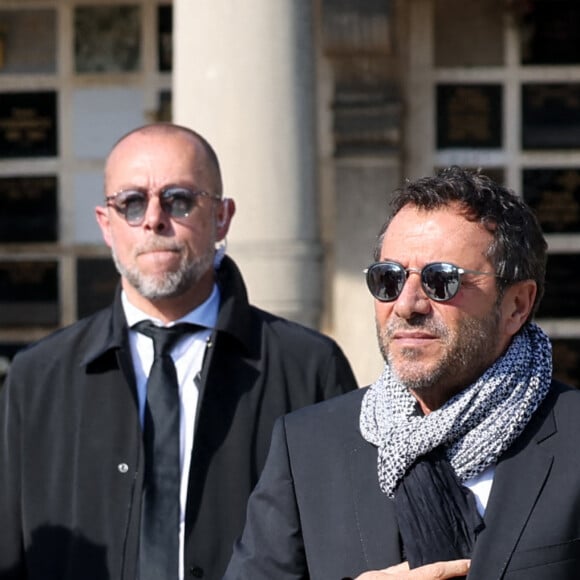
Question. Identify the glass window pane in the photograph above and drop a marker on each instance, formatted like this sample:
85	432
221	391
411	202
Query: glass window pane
17	53
28	124
554	194
107	38
549	32
165	37
468	33
469	116
28	209
29	293
97	280
551	116
562	287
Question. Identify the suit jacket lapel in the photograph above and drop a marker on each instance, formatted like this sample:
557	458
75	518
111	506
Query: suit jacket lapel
518	481
376	521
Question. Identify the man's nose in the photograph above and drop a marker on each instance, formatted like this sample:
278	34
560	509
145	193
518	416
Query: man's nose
412	300
156	218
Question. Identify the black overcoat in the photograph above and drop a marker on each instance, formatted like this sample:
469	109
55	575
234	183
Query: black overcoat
318	513
71	453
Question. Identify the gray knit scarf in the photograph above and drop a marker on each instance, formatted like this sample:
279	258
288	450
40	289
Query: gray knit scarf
475	426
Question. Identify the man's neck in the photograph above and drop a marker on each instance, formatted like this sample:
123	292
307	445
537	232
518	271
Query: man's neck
172	308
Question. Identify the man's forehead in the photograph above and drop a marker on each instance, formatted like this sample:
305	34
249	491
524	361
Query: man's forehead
445	230
150	151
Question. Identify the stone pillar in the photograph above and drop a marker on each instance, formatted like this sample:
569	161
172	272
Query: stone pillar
358	45
244	78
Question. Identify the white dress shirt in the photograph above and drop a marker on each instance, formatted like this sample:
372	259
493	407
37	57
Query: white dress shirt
187	354
480	485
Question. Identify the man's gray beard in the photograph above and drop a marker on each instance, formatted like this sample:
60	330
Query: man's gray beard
465	359
172	284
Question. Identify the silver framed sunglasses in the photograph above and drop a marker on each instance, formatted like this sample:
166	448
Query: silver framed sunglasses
440	280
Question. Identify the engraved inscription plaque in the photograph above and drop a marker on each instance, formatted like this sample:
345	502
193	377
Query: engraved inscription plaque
469	116
554	194
549	32
551	116
29	293
28	209
562	287
28	124
97	279
165	37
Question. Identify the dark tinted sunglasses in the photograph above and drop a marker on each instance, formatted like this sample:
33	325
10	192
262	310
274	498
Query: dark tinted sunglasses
440	280
177	202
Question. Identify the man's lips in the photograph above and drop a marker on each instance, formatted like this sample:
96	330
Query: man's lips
154	251
160	256
415	337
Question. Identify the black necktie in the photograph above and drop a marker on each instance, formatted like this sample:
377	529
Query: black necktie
159	539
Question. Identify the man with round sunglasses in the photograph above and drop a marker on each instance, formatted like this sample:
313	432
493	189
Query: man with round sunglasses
131	440
461	459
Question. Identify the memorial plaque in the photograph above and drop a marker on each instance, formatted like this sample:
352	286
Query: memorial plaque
97	280
107	39
554	195
29	293
561	299
551	116
566	359
28	124
469	116
549	32
165	37
28	209
18	55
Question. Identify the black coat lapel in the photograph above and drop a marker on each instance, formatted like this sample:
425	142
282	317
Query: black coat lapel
518	481
377	528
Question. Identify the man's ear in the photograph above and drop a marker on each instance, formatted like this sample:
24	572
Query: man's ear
517	303
224	214
102	215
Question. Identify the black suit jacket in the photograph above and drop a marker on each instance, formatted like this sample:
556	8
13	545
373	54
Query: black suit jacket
71	453
318	513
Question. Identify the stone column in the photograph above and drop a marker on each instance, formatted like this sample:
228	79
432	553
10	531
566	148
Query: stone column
244	78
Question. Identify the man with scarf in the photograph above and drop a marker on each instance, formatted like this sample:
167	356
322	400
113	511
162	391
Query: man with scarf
461	459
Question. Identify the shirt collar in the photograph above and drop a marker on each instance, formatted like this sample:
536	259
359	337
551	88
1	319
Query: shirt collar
204	315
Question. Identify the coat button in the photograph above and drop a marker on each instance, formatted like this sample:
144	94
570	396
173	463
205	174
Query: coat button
196	571
123	468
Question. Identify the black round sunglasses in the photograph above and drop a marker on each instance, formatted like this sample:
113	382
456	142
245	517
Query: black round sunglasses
177	202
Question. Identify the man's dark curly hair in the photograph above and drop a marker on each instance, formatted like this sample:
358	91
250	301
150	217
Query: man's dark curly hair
518	251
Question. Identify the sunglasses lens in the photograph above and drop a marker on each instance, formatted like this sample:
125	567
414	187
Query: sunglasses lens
179	201
386	280
132	204
440	281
